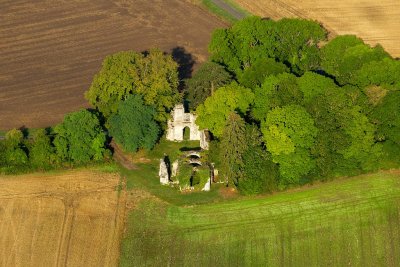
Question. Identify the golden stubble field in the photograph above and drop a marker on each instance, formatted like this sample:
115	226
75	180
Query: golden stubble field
73	218
50	50
374	21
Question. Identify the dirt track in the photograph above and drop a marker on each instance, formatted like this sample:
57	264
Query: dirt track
374	21
70	219
50	50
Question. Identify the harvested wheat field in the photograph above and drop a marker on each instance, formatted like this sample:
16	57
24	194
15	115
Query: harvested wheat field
373	21
50	50
73	218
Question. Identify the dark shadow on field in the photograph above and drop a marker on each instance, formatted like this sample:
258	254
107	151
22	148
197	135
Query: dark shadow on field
185	61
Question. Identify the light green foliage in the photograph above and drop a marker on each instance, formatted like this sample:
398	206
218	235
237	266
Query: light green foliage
233	146
133	125
313	85
154	76
207	79
113	83
383	73
343	56
41	153
362	146
289	133
213	114
79	138
14	153
255	75
276	91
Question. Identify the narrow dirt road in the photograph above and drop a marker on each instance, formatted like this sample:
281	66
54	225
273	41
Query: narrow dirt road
237	14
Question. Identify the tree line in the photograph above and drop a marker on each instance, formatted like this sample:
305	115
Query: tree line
284	106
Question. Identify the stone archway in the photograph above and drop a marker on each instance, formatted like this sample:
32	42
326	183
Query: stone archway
186	133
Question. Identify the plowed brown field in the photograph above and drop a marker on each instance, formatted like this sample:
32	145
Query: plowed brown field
64	219
372	20
50	50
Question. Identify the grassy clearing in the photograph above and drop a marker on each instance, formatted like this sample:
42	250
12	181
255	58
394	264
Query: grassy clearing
146	176
347	222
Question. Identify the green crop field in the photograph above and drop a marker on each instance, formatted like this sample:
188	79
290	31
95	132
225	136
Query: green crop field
347	222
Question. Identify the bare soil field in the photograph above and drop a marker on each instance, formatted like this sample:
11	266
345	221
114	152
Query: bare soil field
50	50
73	218
373	21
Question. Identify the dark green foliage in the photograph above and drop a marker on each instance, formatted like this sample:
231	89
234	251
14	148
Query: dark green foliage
133	125
260	174
345	55
296	43
41	152
204	82
154	76
255	75
276	91
291	41
79	138
387	117
15	154
233	146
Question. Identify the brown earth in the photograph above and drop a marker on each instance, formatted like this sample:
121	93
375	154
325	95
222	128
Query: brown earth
373	21
74	218
50	50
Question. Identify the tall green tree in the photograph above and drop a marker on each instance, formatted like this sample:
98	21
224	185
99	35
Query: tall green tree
233	146
207	79
260	173
133	125
255	75
289	133
153	75
80	138
345	55
41	152
15	155
276	91
214	113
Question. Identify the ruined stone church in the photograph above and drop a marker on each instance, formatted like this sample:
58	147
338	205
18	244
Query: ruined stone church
181	120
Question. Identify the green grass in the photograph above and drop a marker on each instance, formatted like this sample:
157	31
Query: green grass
347	222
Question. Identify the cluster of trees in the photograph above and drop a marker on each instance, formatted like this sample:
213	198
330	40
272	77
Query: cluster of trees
285	109
78	140
132	95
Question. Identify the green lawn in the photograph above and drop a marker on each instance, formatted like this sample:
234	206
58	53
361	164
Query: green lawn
347	222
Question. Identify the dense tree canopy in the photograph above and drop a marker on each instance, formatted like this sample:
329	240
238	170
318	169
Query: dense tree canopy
80	138
133	125
208	78
345	55
214	113
291	41
153	76
289	133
